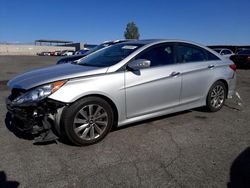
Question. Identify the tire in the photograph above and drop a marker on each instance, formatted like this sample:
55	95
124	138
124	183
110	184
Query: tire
216	96
87	121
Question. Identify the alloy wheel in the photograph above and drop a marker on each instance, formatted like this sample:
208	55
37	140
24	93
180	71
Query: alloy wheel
217	96
90	122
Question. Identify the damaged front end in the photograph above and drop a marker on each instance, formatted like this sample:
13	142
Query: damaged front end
36	114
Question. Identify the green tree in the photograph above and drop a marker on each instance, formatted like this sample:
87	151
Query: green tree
132	31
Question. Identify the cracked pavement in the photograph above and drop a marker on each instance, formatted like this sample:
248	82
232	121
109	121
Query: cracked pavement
187	149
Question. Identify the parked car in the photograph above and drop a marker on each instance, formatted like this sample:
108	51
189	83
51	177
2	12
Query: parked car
242	58
224	52
67	52
79	56
115	86
56	53
52	53
44	54
79	52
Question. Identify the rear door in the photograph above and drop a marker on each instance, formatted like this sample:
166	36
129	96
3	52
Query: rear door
155	88
197	71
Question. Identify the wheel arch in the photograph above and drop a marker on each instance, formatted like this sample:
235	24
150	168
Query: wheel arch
109	101
208	106
225	83
218	80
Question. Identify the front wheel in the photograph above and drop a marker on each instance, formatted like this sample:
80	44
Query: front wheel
216	96
88	120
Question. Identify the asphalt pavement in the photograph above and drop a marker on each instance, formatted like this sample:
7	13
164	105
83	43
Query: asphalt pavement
188	149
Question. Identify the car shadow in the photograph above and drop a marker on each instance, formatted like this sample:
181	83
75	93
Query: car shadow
11	126
150	120
200	109
240	171
5	183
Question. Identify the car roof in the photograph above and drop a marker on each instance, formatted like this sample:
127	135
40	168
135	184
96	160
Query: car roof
117	41
155	41
149	41
241	49
221	49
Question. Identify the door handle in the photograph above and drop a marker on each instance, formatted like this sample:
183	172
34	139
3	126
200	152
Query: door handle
210	66
174	74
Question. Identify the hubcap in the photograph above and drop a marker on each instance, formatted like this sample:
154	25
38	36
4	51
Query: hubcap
217	96
90	122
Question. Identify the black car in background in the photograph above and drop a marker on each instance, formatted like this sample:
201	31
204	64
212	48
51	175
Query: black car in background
77	57
242	58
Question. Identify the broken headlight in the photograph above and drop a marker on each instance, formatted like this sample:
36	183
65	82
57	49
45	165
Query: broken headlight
38	94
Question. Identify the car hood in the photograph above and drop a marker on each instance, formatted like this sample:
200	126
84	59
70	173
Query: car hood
53	73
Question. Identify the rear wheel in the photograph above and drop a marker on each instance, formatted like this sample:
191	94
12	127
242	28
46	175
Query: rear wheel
88	120
216	96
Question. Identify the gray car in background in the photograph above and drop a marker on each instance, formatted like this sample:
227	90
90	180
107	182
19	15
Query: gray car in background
77	57
224	52
119	85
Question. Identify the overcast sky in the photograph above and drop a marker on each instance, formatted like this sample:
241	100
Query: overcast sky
95	21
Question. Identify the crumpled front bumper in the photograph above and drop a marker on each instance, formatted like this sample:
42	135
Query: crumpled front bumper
37	118
25	114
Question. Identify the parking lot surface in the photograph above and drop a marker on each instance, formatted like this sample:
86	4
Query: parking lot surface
188	149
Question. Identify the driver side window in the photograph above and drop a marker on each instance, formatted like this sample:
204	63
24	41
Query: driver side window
159	55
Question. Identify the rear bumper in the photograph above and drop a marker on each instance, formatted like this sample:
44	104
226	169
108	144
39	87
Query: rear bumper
231	86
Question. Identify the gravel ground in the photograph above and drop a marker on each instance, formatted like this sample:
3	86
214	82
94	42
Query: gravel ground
187	149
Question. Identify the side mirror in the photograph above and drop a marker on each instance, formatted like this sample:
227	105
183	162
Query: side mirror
139	64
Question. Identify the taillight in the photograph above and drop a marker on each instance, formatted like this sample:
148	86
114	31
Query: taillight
233	67
248	58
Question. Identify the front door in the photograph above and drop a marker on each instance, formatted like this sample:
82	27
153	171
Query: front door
155	88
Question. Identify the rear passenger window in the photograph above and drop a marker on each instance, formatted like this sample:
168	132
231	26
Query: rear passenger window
159	55
211	57
190	53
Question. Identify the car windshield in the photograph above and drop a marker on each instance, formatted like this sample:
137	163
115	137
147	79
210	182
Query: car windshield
244	52
109	56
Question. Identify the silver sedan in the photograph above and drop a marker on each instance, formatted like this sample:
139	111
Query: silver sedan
118	85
